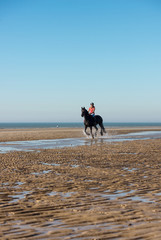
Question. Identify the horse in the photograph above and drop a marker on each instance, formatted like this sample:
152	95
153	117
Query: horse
92	121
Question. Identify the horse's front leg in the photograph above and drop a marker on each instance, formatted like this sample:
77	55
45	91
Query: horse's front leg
85	130
91	132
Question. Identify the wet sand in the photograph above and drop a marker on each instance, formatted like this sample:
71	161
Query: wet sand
38	133
102	191
58	133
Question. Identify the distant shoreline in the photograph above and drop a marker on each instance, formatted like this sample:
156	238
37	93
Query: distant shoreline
42	125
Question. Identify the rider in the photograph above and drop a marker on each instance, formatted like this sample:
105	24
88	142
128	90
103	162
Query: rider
92	109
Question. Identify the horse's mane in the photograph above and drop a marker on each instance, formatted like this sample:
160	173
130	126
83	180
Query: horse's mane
84	109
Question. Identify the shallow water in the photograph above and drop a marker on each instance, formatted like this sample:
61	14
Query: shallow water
40	173
72	142
18	196
117	194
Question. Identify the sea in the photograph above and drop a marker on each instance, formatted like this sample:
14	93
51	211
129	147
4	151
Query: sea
21	125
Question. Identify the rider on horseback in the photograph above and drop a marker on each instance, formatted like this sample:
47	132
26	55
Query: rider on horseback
90	121
91	110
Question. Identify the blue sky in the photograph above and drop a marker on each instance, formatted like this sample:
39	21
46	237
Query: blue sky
59	55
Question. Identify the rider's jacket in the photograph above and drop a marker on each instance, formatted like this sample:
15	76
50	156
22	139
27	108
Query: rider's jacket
91	110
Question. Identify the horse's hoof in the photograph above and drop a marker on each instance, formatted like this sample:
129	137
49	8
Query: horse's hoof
86	133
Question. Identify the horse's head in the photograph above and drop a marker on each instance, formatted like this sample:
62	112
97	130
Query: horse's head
83	111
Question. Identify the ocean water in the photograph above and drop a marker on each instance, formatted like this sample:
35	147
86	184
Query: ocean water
73	125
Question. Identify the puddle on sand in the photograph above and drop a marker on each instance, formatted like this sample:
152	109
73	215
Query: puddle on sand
57	165
5	184
145	133
51	164
62	194
72	142
18	184
141	199
40	173
18	196
117	194
88	180
74	166
130	170
41	144
94	188
123	195
158	194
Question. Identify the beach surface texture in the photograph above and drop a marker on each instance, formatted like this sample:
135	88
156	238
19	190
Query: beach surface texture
103	190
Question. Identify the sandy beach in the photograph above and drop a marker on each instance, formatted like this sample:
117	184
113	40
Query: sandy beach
101	191
57	133
39	133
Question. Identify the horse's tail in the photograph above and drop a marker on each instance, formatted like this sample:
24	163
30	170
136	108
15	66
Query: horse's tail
99	121
102	127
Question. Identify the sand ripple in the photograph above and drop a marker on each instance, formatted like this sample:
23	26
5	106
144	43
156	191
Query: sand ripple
106	191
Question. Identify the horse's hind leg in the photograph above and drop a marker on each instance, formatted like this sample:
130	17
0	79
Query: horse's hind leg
101	132
91	132
96	130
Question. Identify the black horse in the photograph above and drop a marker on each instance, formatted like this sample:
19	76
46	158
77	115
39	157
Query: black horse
90	121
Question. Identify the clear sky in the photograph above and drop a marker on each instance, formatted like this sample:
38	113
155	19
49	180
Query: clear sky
59	55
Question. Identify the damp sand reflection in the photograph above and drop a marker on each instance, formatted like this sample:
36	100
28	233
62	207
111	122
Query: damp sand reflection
73	142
